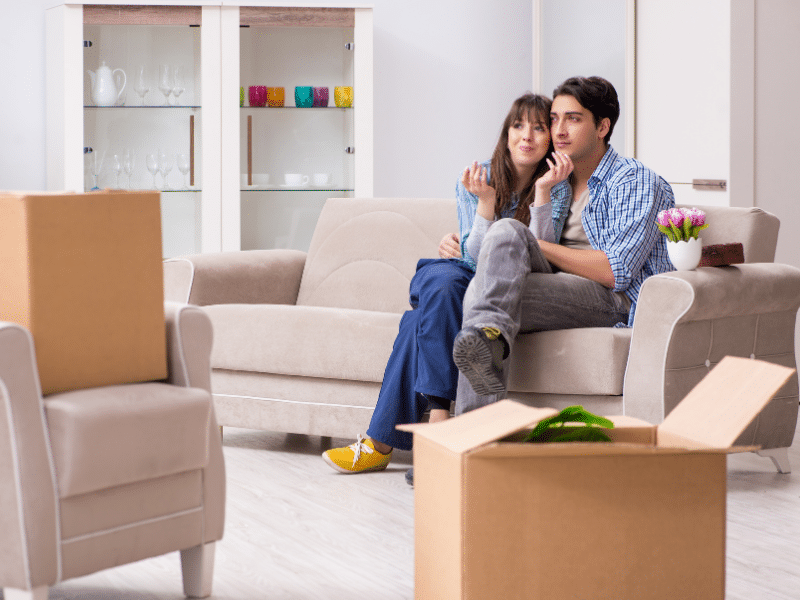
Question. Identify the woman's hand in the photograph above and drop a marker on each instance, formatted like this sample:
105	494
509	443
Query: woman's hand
560	168
450	246
475	181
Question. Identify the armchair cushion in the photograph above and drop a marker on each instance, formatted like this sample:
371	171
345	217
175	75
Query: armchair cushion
305	341
94	432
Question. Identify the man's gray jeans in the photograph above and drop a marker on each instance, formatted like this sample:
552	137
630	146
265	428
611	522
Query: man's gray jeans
516	291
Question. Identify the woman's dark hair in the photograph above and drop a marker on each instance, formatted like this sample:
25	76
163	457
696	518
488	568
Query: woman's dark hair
534	108
596	95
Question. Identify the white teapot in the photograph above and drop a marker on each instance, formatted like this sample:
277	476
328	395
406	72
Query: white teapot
104	86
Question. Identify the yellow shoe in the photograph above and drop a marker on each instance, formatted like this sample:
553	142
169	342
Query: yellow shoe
357	458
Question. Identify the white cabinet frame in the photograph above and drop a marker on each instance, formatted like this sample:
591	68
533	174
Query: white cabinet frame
219	91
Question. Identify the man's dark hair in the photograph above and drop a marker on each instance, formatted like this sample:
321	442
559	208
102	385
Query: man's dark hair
596	95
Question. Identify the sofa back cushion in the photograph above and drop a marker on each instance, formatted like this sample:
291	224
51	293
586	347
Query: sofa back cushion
754	228
364	251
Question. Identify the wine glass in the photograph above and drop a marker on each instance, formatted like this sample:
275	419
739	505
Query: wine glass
95	167
165	163
116	166
152	166
183	167
178	85
128	164
165	83
140	85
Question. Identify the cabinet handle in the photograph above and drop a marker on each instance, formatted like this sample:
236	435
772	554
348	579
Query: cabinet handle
249	149
350	150
191	150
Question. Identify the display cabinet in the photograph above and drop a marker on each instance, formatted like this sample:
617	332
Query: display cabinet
224	166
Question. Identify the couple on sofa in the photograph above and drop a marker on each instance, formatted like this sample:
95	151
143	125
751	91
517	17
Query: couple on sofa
557	231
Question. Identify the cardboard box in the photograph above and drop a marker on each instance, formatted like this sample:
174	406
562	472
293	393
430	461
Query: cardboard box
642	517
83	272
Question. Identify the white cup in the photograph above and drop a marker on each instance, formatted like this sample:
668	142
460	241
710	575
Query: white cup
321	179
295	179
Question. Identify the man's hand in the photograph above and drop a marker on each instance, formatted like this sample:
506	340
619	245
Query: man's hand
450	246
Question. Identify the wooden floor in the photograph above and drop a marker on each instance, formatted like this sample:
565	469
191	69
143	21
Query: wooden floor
298	530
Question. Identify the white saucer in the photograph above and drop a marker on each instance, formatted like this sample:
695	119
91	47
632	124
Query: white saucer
286	185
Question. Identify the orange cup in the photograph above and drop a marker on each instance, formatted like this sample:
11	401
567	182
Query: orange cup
275	96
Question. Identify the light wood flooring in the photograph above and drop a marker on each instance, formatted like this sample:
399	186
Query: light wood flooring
298	530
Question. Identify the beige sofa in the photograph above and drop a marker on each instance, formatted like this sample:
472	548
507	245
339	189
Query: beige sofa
301	340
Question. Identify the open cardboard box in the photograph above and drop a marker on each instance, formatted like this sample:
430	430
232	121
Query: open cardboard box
83	273
642	517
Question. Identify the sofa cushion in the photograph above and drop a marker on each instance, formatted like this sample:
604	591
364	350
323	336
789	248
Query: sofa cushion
108	436
307	341
588	361
364	252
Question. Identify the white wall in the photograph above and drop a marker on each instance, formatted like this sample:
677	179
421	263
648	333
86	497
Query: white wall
777	127
446	72
585	37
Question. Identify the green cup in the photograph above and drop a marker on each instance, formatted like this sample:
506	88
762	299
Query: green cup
303	96
241	96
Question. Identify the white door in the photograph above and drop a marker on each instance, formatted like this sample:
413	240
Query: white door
683	94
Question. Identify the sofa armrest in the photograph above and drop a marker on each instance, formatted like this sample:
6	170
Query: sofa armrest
687	321
189	340
28	503
247	277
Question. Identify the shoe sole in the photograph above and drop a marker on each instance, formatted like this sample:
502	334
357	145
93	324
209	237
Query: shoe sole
348	472
473	357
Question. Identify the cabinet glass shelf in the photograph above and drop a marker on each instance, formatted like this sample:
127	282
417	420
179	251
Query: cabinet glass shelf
297	107
148	106
295	189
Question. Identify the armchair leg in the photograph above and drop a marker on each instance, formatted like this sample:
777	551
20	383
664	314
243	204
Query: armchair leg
198	570
39	593
780	458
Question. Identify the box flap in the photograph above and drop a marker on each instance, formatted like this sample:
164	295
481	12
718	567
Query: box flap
726	401
583	449
479	427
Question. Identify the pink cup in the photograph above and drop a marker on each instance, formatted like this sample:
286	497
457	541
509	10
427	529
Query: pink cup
258	95
320	96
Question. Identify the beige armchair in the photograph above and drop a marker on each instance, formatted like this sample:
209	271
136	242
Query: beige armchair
100	477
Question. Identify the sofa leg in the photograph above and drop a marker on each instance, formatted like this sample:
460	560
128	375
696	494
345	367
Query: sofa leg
780	458
198	570
39	593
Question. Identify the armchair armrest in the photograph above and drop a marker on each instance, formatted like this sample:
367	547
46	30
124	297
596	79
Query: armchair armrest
247	277
28	503
189	340
687	321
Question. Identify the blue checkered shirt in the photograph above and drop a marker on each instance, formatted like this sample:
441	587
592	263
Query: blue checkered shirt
620	219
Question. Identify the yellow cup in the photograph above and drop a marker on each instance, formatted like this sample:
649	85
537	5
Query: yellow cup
275	96
343	96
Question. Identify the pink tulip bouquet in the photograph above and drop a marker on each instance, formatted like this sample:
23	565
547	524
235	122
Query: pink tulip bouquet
681	224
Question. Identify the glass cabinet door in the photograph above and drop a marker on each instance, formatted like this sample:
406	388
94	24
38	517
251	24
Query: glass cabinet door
296	133
142	115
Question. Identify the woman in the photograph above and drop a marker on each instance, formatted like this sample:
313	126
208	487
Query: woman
420	373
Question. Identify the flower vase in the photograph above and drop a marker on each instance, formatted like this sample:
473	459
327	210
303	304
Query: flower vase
685	255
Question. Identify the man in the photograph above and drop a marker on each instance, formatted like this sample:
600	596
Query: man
591	272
